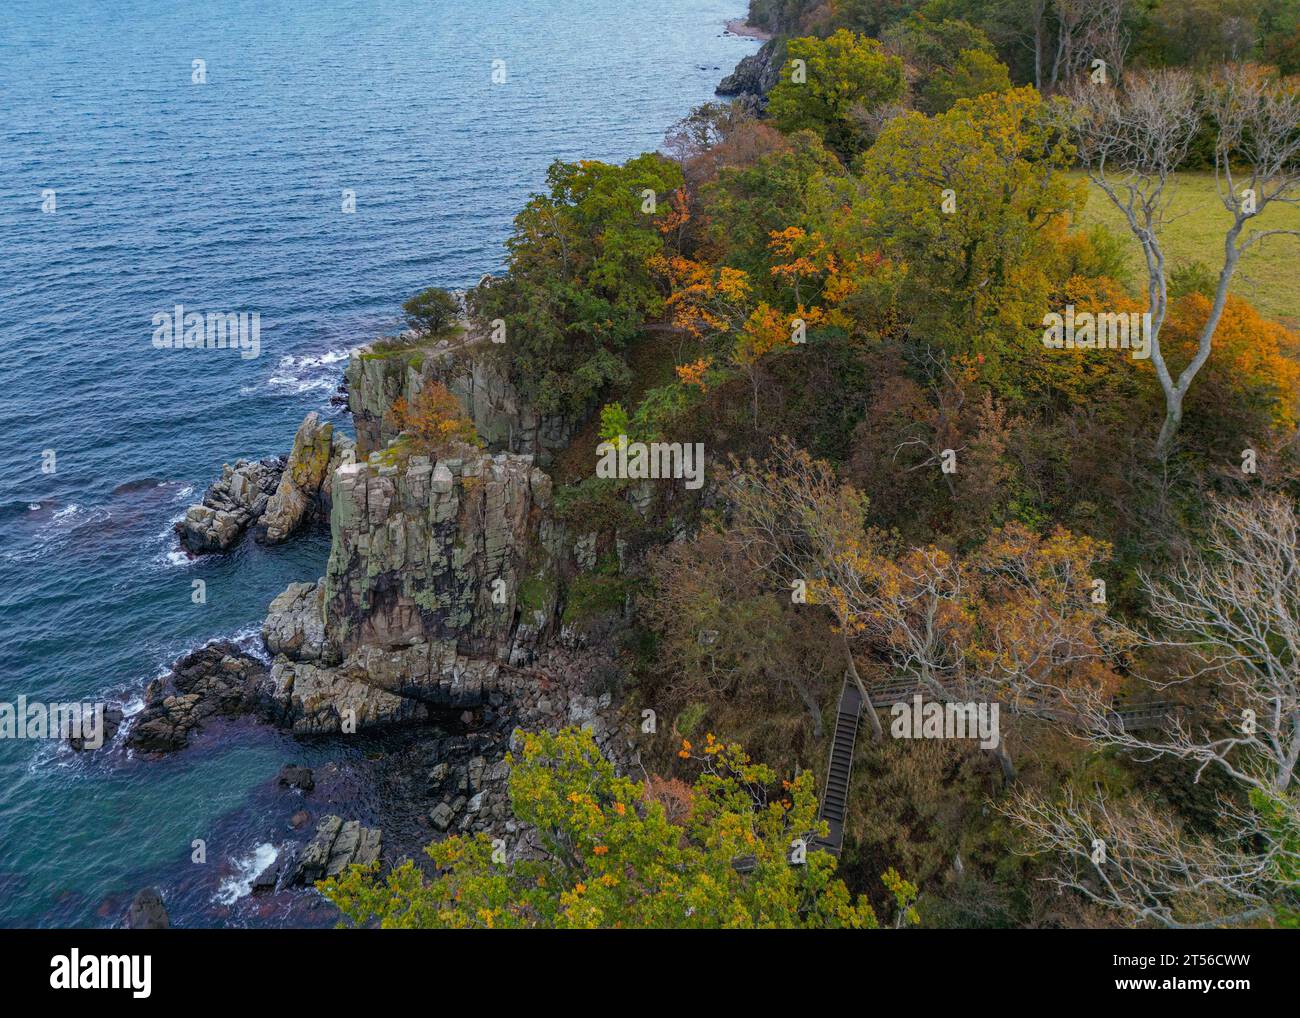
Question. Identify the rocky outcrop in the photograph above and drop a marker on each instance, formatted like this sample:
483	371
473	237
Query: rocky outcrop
147	911
294	776
230	506
454	554
322	701
273	496
113	716
334	847
756	74
295	625
214	681
304	486
503	418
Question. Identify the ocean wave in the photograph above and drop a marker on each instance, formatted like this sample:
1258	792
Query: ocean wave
57	528
240	883
299	373
249	640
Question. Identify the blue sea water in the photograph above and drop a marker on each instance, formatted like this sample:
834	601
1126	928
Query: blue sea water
226	196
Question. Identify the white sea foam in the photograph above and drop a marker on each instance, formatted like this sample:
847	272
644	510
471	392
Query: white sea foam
299	373
58	528
240	883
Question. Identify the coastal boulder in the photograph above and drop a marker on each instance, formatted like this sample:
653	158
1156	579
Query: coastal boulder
294	776
230	506
216	680
334	847
112	722
295	625
302	484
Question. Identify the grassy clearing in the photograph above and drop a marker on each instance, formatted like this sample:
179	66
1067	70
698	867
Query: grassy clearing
1269	274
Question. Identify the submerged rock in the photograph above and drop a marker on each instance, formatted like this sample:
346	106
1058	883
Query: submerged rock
147	911
112	722
293	776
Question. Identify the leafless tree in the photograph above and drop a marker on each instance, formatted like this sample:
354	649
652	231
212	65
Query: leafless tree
791	514
1068	35
1012	624
1137	860
1132	138
1232	613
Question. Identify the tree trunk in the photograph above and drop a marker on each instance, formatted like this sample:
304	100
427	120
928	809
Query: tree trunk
877	733
1173	418
1175	391
1004	760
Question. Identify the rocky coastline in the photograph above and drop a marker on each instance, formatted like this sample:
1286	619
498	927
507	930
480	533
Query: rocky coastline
444	614
450	614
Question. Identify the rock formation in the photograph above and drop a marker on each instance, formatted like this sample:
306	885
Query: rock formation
502	417
293	776
446	607
306	481
335	846
147	911
230	506
214	681
756	74
274	496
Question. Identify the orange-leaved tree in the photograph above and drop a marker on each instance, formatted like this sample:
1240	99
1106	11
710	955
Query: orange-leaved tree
434	421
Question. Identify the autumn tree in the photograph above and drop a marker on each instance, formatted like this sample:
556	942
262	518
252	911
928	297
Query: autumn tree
1015	622
832	86
1231	613
578	289
1132	138
1066	36
616	857
434	422
792	514
950	58
744	205
966	200
729	641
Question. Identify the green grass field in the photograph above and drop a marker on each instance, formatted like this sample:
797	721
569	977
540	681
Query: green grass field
1269	274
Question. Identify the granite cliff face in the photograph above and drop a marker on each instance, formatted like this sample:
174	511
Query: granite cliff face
439	552
439	574
445	608
756	74
503	418
306	482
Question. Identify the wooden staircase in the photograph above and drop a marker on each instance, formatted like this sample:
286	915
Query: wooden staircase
835	796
